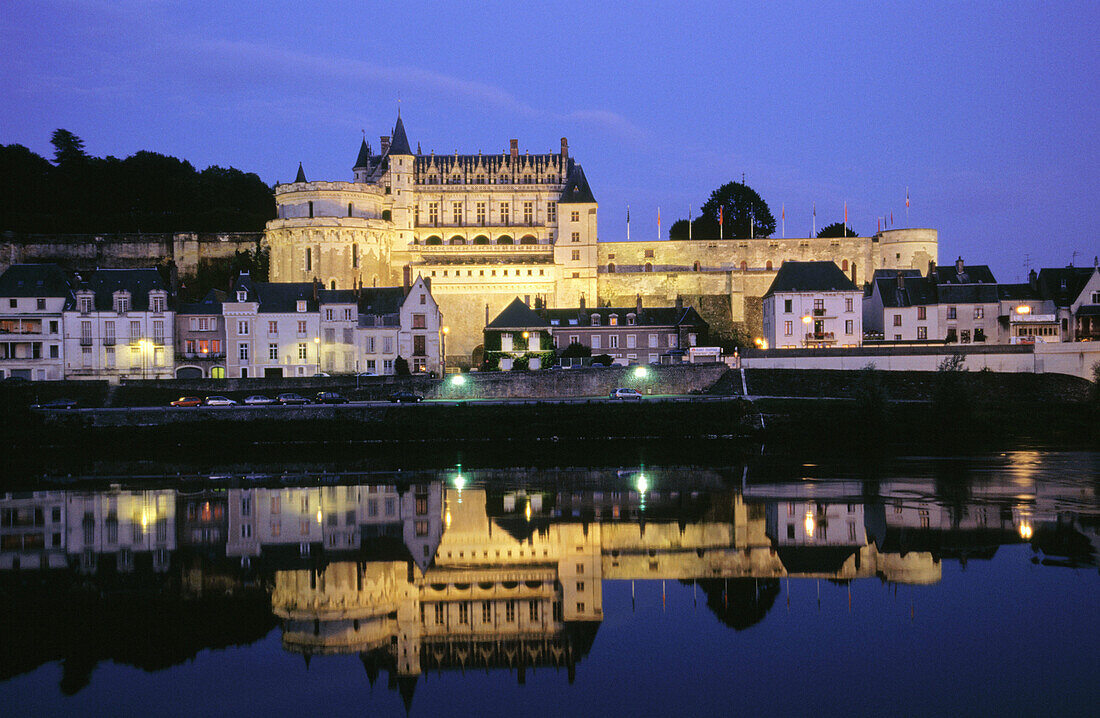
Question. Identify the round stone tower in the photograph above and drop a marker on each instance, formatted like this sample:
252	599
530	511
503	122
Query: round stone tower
905	248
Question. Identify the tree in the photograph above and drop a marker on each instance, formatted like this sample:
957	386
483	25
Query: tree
68	148
837	229
401	366
743	214
576	349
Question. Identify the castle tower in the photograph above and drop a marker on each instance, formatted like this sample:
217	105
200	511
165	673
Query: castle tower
401	185
575	244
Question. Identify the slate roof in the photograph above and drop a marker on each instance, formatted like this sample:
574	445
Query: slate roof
301	176
1017	292
576	187
810	277
1063	284
914	290
518	315
399	145
138	282
210	304
34	280
363	160
649	317
277	297
381	300
972	274
967	293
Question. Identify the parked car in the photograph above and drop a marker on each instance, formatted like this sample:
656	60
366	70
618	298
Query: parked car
56	404
401	397
219	401
258	400
320	373
330	397
187	401
625	394
291	398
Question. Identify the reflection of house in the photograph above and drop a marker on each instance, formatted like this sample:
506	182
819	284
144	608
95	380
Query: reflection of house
32	530
202	521
123	527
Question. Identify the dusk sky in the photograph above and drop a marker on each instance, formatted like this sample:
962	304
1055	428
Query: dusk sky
986	111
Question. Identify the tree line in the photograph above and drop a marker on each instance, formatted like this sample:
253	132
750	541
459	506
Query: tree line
736	211
145	192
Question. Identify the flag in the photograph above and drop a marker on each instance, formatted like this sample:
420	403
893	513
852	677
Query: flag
845	214
783	212
720	220
891	219
878	224
906	198
658	223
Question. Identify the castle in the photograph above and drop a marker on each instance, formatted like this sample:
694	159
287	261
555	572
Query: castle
486	228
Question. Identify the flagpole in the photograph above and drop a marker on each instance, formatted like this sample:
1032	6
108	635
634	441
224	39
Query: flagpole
628	223
658	222
783	214
845	219
689	222
813	232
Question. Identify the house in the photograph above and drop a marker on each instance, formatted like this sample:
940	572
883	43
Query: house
1075	293
518	332
200	338
899	305
32	302
812	305
968	302
272	329
392	322
119	324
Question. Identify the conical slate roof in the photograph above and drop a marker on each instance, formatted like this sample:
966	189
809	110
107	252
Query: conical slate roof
576	188
301	174
363	160
400	143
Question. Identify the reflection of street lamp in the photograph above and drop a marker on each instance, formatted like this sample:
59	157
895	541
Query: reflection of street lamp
317	342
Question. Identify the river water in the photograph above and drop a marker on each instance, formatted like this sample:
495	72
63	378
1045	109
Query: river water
919	586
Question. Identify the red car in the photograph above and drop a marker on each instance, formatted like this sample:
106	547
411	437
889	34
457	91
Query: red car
187	401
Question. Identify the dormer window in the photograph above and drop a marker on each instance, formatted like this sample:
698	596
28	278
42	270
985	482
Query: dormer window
613	320
595	320
157	304
122	302
85	304
301	305
242	295
630	318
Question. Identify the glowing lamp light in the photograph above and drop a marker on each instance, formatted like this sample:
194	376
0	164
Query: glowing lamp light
809	524
1026	531
319	516
642	484
446	330
458	380
1023	309
640	372
806	319
527	511
447	518
460	482
526	335
316	340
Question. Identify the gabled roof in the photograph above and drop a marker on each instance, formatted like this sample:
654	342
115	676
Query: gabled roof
912	291
517	315
363	160
276	297
576	187
138	282
301	176
210	304
399	145
649	317
1063	284
970	274
34	280
381	300
810	277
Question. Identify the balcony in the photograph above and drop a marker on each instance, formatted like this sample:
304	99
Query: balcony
86	341
467	249
819	312
199	356
820	337
108	341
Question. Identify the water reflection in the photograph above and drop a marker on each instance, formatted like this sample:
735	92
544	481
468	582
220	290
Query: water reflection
462	570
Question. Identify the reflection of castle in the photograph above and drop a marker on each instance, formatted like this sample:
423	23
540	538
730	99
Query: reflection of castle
433	574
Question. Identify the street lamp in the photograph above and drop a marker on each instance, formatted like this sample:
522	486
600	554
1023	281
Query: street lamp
142	346
443	349
317	342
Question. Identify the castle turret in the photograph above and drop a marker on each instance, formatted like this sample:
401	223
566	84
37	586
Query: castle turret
401	183
575	243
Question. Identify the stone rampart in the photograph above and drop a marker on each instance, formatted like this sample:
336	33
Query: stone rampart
124	251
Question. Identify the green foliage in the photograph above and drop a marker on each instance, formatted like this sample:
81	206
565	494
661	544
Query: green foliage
1094	390
576	350
602	360
521	363
836	229
146	192
741	207
401	366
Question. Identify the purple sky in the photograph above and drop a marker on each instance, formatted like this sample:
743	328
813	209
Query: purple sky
986	111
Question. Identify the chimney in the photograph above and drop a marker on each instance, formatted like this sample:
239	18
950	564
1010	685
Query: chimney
406	280
931	267
316	286
564	148
959	265
1033	280
384	142
638	305
679	304
901	280
513	148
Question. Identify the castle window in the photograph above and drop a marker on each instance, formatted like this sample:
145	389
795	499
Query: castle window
311	210
456	212
768	265
433	240
387	215
433	214
844	265
695	266
574	216
649	253
575	237
505	213
355	255
648	267
744	266
332	285
595	320
613	320
349	209
505	239
528	213
309	259
610	267
480	213
576	256
552	213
